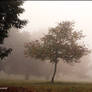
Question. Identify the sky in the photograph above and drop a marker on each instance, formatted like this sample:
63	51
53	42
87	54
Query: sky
42	15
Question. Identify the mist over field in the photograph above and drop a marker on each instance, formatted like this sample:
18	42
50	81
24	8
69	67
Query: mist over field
17	66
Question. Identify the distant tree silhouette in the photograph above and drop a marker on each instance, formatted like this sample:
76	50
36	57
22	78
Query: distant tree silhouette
60	44
9	12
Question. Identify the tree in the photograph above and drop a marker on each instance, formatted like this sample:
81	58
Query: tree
9	17
62	43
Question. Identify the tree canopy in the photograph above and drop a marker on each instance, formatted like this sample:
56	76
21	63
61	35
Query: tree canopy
9	17
62	43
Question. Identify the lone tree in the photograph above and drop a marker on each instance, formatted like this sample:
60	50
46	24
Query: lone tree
9	17
60	44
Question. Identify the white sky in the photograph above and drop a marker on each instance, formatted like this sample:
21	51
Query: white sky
44	14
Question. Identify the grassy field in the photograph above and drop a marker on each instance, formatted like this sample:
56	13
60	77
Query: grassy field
37	86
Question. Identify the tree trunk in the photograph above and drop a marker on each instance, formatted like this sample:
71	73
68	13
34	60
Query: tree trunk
55	69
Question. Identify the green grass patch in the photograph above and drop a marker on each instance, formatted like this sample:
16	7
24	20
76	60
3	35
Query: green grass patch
43	86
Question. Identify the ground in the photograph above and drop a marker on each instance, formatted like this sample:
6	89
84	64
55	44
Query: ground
38	86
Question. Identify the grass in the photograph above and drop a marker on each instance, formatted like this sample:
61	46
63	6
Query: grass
39	86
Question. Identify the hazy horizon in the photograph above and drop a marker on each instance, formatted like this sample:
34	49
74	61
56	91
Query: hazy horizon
42	15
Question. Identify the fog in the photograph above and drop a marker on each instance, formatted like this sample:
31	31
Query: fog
42	15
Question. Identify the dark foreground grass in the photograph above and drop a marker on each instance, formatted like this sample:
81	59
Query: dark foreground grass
37	86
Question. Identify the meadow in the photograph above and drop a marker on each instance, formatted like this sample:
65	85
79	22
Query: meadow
38	86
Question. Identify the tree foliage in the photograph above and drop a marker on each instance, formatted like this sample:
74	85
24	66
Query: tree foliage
9	17
62	43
